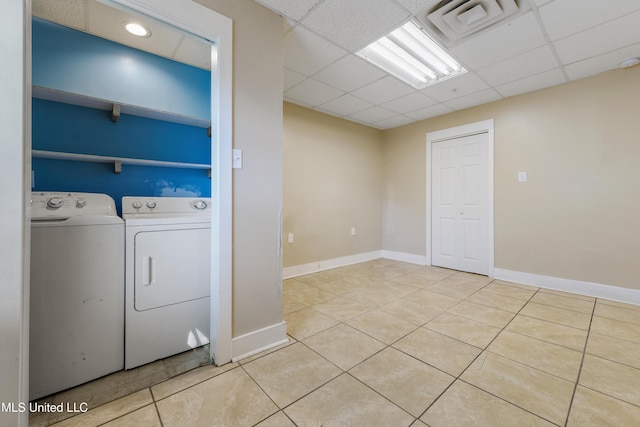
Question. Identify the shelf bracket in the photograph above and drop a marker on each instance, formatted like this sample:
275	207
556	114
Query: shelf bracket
115	112
117	166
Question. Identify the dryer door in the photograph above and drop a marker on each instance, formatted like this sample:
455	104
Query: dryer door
171	267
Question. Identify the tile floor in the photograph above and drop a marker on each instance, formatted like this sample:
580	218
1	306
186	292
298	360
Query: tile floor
385	343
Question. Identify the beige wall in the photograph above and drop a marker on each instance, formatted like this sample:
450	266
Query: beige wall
257	188
575	216
332	182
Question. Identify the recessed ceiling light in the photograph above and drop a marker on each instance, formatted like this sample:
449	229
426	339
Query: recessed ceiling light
137	29
413	56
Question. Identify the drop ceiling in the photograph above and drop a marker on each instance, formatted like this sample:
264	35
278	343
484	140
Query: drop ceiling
544	43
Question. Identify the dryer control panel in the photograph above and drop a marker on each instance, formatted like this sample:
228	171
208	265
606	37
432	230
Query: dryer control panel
132	205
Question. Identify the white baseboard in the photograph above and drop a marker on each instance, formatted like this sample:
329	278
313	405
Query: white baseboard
598	290
405	257
314	267
254	342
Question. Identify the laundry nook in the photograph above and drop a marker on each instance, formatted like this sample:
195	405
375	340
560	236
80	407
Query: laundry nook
121	204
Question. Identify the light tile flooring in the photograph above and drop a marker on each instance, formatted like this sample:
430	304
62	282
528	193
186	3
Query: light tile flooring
385	343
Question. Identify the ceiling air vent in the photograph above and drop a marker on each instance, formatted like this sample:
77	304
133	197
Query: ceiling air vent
457	19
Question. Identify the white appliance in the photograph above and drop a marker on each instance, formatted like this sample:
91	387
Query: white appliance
77	291
168	270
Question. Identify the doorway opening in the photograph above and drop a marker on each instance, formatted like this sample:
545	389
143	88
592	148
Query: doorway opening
208	25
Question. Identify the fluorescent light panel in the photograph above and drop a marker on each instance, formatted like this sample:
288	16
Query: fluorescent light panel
412	56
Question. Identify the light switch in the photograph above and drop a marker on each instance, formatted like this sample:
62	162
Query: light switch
353	231
522	177
237	159
290	238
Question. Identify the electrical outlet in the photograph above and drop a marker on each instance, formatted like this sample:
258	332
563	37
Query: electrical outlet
353	231
290	238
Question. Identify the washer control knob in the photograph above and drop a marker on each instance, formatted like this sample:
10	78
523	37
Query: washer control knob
81	203
136	204
200	204
54	202
151	205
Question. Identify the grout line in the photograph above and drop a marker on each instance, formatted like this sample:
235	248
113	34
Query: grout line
584	352
486	351
155	404
381	395
192	385
266	394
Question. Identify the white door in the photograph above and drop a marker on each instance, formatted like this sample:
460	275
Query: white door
460	203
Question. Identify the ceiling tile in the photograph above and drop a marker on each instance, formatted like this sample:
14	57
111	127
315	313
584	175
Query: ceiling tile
417	6
349	73
355	23
294	9
566	17
411	102
345	105
393	122
601	63
599	40
383	90
527	64
429	112
164	40
70	13
541	2
312	92
291	78
532	83
501	42
194	51
484	97
455	87
372	115
307	53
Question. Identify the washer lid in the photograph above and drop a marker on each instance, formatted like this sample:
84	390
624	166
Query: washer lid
60	205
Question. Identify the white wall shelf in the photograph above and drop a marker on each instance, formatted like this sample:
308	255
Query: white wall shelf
117	161
48	94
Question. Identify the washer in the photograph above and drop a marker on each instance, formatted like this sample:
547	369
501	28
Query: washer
77	290
167	279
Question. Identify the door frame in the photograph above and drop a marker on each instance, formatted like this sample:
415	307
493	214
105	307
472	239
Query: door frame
485	126
210	25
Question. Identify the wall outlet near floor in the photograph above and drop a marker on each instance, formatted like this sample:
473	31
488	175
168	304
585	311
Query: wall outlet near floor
353	231
290	238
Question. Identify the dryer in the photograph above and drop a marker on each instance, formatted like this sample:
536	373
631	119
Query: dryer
167	279
77	291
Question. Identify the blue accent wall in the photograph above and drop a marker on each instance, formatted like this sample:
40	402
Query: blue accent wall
76	62
73	61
